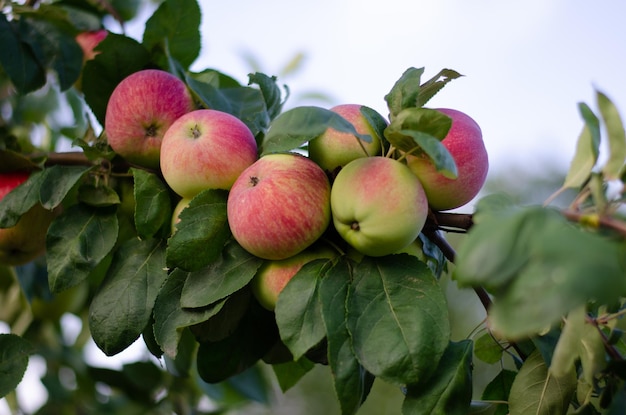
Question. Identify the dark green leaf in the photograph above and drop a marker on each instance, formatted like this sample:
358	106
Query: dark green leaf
294	127
153	209
616	135
499	389
431	87
20	200
288	374
405	92
229	273
587	149
57	182
77	241
201	233
352	382
271	93
98	196
487	349
397	301
122	307
174	29
14	353
299	311
449	390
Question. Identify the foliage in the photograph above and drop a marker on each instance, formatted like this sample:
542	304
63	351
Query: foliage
551	279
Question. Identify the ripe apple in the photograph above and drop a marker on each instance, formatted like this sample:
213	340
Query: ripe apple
88	41
141	108
334	149
279	205
272	276
465	143
206	149
378	205
26	240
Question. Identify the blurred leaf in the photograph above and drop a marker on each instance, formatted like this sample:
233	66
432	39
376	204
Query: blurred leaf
435	84
587	150
299	311
449	390
98	196
616	135
77	241
535	391
288	374
11	161
119	57
499	389
404	93
174	29
233	270
409	340
487	349
153	209
352	382
14	353
123	305
271	93
294	127
201	233
20	200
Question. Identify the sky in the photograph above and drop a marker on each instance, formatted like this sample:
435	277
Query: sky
526	66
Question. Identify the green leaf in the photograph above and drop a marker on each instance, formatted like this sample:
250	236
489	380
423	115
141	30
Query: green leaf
435	84
405	92
77	241
499	389
20	200
57	182
271	93
14	353
487	349
201	233
299	311
233	270
153	208
98	196
288	374
291	129
119	57
397	318
174	29
587	150
535	391
351	381
617	137
123	305
449	391
420	131
170	318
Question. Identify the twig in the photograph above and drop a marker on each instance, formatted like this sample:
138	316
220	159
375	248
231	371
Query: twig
603	221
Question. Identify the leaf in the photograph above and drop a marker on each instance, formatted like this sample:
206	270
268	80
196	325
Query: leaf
405	92
487	349
617	137
153	208
299	311
587	150
57	182
288	374
435	84
77	241
499	389
123	305
20	200
271	93
174	29
170	318
449	391
14	353
351	381
201	233
294	127
229	273
98	196
535	391
397	318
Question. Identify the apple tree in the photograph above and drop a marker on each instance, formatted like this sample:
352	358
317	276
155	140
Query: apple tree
257	262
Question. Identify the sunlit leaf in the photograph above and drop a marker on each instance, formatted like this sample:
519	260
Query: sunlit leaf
616	135
587	149
14	354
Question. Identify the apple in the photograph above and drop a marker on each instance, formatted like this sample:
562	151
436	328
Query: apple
206	149
334	149
26	240
88	41
465	143
141	108
180	206
279	205
378	205
273	275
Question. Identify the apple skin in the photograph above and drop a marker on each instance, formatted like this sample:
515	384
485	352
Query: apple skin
334	149
206	149
465	143
180	206
378	205
279	206
26	240
140	110
272	276
88	41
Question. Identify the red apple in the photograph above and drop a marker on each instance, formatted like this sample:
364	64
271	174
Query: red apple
206	149
465	143
141	108
334	149
26	240
378	205
279	206
88	41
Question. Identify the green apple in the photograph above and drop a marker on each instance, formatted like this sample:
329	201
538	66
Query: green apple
465	143
272	276
378	205
206	149
279	206
334	149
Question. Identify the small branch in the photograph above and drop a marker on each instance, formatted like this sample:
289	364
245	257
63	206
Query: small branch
73	158
453	220
601	221
610	349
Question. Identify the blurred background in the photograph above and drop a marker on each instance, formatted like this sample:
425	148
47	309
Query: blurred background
526	66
